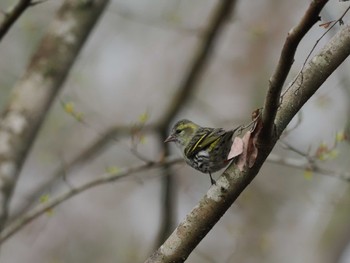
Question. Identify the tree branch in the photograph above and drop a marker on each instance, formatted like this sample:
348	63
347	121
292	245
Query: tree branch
220	197
100	179
306	165
199	61
33	95
314	75
284	65
11	16
89	153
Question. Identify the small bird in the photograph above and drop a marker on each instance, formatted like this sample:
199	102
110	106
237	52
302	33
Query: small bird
205	149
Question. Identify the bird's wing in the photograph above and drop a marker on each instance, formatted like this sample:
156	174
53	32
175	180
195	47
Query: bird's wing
204	139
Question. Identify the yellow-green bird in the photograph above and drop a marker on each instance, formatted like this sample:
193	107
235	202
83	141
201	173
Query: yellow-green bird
205	149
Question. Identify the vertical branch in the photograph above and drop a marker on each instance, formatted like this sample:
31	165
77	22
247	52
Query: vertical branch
33	95
284	65
168	198
199	61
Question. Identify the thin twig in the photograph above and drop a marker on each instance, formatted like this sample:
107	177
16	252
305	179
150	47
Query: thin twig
40	209
305	165
11	16
38	2
339	20
87	154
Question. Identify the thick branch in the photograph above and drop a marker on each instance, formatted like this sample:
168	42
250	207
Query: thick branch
233	181
33	95
285	62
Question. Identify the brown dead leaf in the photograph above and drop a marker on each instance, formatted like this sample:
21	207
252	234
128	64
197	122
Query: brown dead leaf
236	148
250	150
241	161
326	24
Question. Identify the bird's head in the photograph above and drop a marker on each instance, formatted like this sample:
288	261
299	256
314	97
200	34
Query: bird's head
182	133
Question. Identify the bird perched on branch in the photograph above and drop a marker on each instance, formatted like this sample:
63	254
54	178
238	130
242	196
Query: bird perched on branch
205	149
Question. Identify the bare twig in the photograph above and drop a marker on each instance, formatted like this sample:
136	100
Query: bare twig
38	2
306	165
11	16
276	82
339	20
200	60
162	22
90	152
40	209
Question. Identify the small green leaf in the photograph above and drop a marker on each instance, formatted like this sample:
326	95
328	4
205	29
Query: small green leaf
333	154
69	108
43	200
340	136
112	169
142	139
144	117
308	174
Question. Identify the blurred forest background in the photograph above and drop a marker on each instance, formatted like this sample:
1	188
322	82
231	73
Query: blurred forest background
128	75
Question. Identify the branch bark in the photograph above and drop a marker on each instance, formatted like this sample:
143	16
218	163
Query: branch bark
285	63
33	95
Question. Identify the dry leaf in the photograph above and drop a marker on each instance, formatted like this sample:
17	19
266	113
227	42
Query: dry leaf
250	150
236	148
243	157
327	24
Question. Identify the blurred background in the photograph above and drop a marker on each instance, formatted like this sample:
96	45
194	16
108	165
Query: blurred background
129	73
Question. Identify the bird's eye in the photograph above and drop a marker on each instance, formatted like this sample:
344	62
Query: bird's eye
178	131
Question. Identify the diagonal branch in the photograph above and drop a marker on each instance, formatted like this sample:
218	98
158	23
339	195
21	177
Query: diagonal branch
40	209
33	95
200	60
284	65
11	16
306	165
90	152
314	75
233	181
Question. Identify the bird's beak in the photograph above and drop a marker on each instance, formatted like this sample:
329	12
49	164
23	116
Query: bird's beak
171	138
